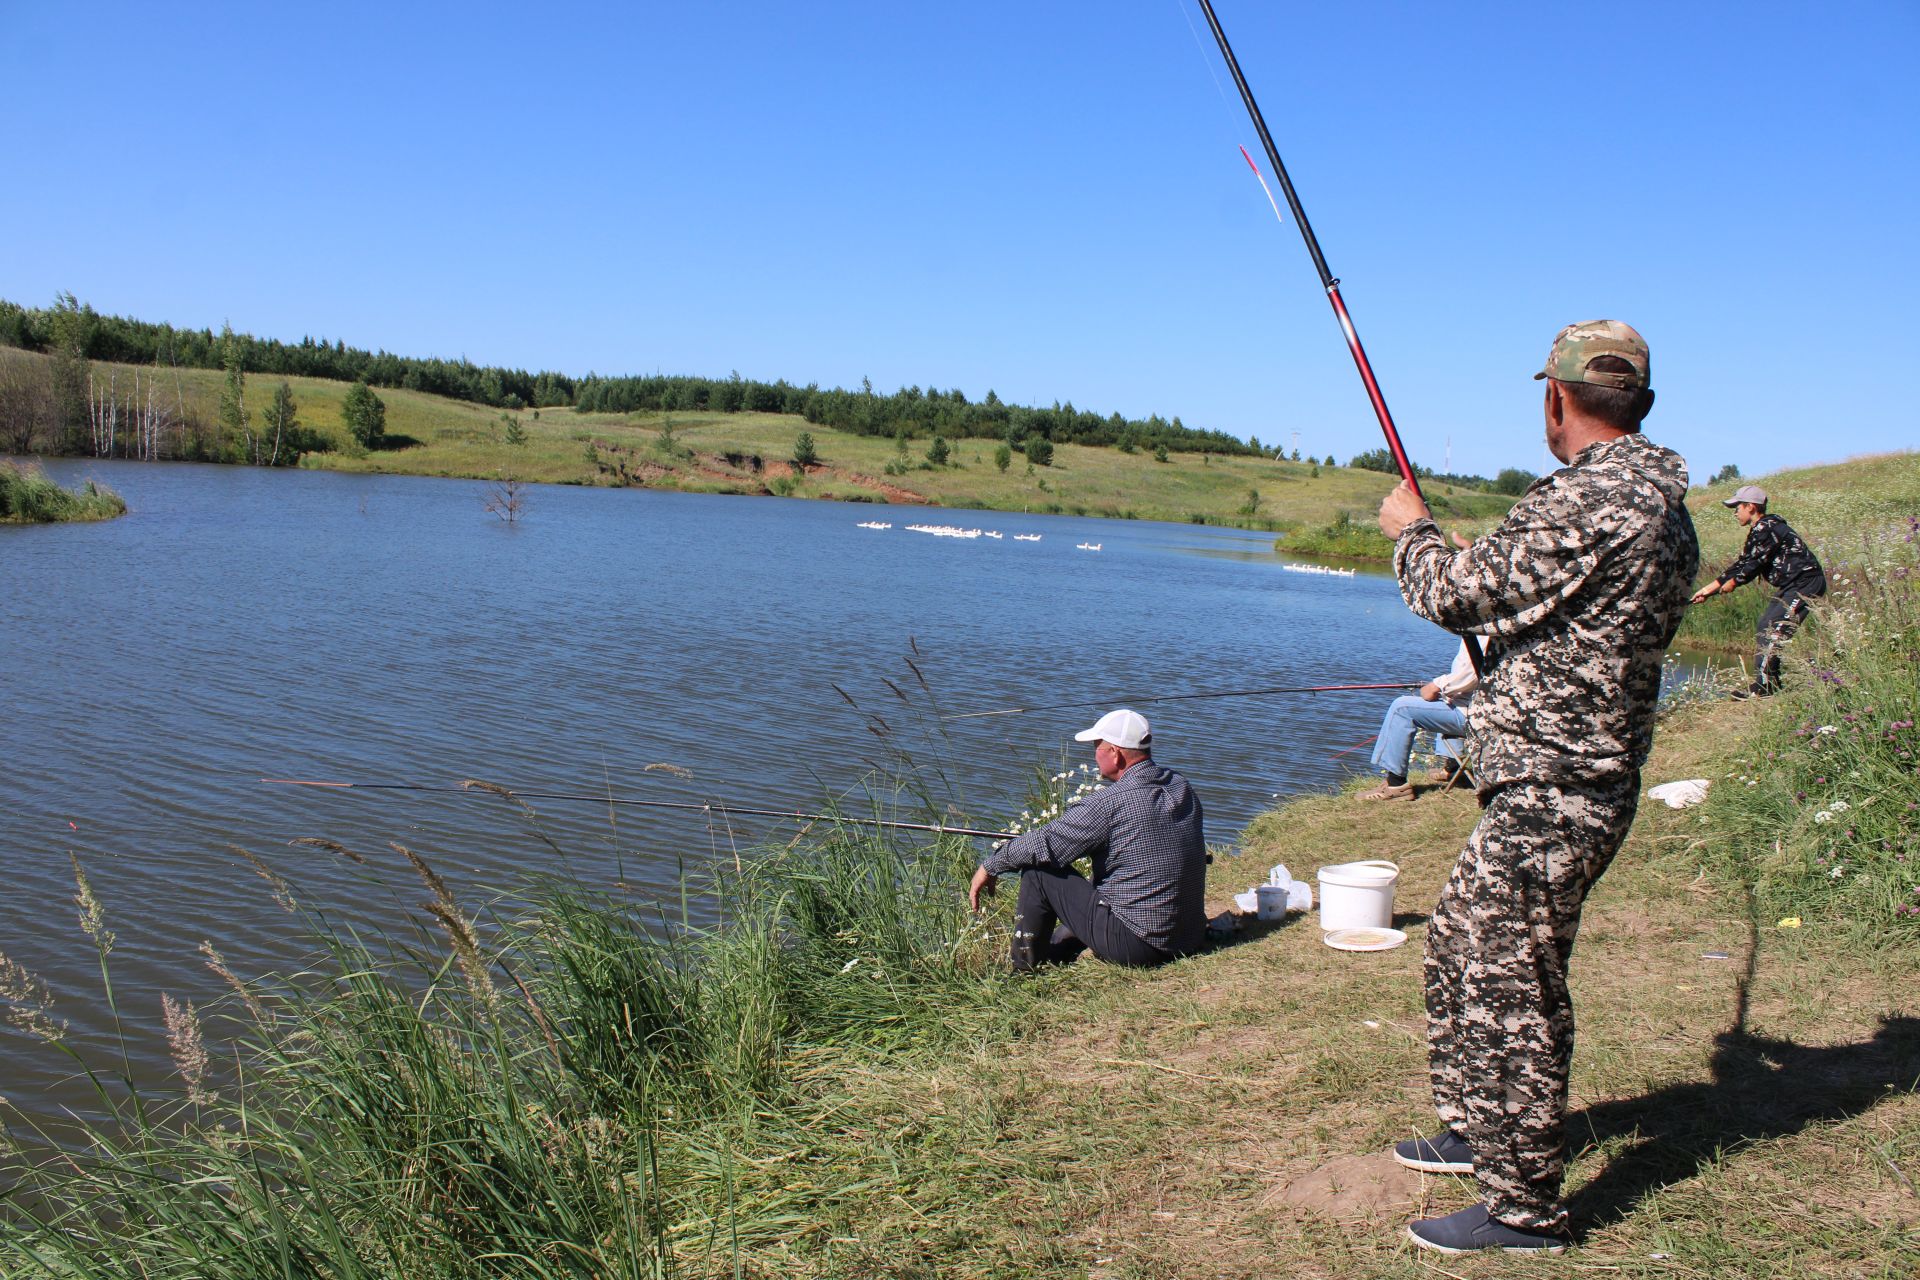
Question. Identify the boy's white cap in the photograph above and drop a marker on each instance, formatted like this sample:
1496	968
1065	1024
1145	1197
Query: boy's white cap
1123	728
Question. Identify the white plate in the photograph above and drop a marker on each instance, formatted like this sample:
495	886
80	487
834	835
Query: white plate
1364	939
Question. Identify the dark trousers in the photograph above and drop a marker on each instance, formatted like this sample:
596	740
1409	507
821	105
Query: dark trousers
1059	914
1778	621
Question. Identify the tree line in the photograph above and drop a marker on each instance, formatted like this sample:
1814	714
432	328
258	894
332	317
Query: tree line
85	334
67	405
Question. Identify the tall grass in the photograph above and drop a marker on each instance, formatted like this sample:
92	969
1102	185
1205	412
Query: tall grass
27	496
574	1087
1819	809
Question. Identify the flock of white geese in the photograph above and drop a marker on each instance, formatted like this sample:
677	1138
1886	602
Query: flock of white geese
955	531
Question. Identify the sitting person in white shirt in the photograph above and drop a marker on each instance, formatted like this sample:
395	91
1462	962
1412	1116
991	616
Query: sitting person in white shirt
1440	709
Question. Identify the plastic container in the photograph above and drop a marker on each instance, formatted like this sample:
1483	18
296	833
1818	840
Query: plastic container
1358	895
1271	901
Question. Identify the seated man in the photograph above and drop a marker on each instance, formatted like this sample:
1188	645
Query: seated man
1146	901
1441	709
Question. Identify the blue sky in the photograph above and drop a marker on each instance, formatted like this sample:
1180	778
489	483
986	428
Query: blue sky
1044	200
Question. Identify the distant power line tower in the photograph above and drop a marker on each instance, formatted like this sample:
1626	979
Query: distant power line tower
1296	442
1446	467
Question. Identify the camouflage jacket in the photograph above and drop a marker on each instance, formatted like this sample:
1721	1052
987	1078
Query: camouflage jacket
1578	593
1774	549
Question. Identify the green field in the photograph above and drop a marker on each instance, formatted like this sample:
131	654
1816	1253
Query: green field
714	453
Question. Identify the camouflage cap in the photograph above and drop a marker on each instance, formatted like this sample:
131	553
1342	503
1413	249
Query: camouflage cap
1577	345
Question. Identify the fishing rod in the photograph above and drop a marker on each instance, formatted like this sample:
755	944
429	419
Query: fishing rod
1184	697
471	787
1328	281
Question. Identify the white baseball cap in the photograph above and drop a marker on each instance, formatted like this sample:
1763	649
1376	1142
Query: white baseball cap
1746	493
1123	728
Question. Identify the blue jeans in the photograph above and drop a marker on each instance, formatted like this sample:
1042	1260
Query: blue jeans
1406	717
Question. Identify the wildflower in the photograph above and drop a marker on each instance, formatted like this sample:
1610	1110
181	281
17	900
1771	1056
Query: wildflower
1826	728
1823	816
1841	806
1839	869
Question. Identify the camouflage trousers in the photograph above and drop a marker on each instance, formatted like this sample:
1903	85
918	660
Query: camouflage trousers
1499	1016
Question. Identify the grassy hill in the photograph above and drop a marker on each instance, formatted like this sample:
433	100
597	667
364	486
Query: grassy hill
752	452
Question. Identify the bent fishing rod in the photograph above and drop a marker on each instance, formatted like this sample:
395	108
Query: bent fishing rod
724	810
1330	283
1183	697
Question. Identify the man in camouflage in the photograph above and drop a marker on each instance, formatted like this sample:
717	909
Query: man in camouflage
1577	595
1772	549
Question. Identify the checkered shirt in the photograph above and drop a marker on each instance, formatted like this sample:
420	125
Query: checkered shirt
1144	836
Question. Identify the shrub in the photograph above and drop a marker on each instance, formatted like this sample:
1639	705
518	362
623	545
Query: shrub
804	454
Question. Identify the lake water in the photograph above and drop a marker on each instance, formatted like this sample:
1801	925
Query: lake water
240	624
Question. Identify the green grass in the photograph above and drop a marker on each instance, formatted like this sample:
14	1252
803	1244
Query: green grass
28	497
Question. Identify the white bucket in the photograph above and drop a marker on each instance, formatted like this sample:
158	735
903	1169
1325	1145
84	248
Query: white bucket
1358	895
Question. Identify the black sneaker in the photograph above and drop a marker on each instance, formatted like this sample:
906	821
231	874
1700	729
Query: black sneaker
1473	1229
1447	1153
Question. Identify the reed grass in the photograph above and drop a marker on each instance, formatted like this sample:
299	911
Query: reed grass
27	496
574	1086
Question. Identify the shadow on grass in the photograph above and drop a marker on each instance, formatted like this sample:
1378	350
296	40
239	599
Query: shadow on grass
1762	1088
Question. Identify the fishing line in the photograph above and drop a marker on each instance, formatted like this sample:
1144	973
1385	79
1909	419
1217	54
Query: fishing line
471	787
1185	697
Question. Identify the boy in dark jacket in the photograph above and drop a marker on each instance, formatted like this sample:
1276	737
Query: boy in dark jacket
1773	549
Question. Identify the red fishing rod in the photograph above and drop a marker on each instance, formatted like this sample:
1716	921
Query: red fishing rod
1328	281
